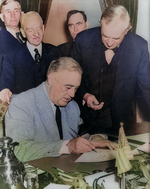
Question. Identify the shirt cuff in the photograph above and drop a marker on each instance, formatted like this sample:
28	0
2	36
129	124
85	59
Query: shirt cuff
64	148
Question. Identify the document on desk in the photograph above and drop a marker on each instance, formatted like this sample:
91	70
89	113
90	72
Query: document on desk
106	154
100	156
143	138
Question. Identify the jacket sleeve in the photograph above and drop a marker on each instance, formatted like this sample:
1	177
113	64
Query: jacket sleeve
7	77
86	84
143	84
21	127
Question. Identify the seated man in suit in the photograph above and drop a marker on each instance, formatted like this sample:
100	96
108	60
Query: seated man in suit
116	73
30	119
76	22
10	35
25	68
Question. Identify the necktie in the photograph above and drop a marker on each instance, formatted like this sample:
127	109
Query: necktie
37	56
19	37
58	121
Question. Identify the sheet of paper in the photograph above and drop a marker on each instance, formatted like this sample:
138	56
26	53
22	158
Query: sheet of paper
57	186
142	137
106	155
145	147
111	181
100	156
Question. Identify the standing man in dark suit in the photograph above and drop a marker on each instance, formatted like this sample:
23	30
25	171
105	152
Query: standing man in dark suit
116	73
76	22
26	68
10	35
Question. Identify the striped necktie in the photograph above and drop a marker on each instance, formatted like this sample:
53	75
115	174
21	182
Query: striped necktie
37	56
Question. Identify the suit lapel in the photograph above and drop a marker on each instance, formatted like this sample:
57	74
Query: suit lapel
27	63
94	65
124	64
46	114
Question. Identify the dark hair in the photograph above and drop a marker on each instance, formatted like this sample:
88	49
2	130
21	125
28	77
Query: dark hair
70	13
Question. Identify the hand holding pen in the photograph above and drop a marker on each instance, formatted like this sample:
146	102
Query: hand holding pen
99	141
80	144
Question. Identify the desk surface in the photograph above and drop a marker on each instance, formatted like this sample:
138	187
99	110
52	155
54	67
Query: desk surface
68	164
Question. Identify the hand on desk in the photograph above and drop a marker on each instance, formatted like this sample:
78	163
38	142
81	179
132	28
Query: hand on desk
80	145
92	102
98	141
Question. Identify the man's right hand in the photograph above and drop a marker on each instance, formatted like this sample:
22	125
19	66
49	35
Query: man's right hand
5	95
92	102
80	145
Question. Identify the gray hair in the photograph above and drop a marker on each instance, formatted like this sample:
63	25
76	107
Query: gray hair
64	63
114	11
29	15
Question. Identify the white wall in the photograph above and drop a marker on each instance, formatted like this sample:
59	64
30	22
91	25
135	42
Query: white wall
143	24
92	10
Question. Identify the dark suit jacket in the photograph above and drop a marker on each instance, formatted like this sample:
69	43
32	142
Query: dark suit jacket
66	49
8	41
132	81
20	72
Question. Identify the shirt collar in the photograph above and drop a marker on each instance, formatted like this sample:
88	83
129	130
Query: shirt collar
32	47
47	88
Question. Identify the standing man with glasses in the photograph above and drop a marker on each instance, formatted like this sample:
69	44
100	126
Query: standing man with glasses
116	73
26	68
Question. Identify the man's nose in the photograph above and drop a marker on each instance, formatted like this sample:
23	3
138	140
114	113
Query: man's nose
12	14
36	33
72	92
75	27
109	42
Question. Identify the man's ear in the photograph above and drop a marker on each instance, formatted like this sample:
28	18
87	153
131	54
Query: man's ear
43	28
87	25
50	79
23	32
128	29
22	13
1	16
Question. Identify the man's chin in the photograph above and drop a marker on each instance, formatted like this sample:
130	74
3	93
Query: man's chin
64	103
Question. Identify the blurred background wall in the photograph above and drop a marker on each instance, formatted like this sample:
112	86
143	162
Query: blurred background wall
143	24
